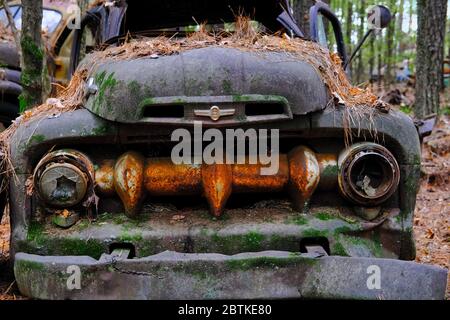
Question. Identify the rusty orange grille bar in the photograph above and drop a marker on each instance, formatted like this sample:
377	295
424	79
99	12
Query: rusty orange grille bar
133	178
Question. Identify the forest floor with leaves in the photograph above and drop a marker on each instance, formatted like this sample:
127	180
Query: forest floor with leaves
432	217
431	222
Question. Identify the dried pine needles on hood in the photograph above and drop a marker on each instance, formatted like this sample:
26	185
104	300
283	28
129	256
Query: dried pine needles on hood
69	99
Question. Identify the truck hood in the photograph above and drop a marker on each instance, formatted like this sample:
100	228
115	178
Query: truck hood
9	57
123	90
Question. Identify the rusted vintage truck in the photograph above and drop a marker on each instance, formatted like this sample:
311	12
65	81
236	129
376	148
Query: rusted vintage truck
99	209
57	22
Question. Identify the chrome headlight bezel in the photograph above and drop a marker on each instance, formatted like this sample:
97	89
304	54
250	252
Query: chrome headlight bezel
350	160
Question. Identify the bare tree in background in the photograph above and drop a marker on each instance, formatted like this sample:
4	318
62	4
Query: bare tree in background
349	26
430	55
390	47
32	61
301	14
399	27
362	23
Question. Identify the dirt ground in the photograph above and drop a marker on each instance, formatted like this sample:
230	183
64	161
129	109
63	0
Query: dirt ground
8	289
432	218
431	223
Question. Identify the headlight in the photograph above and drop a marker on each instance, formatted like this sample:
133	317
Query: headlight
63	178
368	174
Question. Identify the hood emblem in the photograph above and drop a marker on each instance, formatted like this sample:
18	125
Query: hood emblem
215	113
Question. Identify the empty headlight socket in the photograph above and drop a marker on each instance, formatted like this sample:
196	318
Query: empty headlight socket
368	176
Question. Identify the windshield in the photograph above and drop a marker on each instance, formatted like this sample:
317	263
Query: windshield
212	28
50	18
141	16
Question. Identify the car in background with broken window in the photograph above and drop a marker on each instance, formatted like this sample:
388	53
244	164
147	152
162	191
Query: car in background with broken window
95	189
57	17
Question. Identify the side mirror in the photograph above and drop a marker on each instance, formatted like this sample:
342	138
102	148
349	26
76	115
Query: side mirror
379	17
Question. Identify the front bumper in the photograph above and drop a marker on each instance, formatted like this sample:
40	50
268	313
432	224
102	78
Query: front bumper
269	274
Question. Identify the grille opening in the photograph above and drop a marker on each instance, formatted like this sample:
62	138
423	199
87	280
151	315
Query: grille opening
259	200
173	204
315	241
122	245
264	109
164	111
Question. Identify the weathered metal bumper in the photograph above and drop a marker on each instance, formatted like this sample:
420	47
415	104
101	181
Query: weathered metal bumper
270	274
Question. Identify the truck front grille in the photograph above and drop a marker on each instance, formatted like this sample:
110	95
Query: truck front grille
134	178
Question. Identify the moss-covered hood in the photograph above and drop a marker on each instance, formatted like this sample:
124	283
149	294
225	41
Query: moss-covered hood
124	88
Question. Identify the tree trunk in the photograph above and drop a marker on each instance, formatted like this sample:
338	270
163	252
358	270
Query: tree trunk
348	30
390	33
448	42
380	63
349	26
411	13
430	55
362	20
301	14
399	28
32	61
372	56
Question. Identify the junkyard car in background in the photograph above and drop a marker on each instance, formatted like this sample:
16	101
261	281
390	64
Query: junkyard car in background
57	20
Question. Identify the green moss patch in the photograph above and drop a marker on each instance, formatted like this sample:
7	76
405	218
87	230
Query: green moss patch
105	83
252	241
26	266
324	216
339	250
298	220
314	233
134	237
39	242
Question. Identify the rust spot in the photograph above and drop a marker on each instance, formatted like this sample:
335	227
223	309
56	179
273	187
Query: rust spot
129	181
217	184
304	175
133	177
328	164
104	178
247	178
